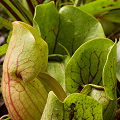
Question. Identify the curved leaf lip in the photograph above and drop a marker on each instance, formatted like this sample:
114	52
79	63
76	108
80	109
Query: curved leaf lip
109	73
42	45
19	74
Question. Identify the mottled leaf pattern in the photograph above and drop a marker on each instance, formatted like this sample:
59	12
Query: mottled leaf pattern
75	106
109	106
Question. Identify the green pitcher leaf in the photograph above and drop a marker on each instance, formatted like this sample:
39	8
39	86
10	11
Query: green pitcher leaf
75	107
53	108
100	6
109	106
47	19
109	73
56	67
24	95
76	27
86	65
41	44
52	85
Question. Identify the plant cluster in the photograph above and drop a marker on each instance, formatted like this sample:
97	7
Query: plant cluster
63	67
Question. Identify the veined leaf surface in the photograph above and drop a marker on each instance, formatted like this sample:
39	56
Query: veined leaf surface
86	65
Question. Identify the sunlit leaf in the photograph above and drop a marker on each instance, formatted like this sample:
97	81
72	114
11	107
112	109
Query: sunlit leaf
109	106
75	106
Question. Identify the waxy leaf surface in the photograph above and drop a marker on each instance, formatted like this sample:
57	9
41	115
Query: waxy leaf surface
75	106
86	65
71	25
98	93
56	68
76	27
24	95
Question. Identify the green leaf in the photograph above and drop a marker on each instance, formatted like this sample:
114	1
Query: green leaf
75	106
9	36
52	85
100	6
109	106
65	26
56	68
112	16
53	108
3	49
86	65
78	106
5	23
47	19
76	27
109	73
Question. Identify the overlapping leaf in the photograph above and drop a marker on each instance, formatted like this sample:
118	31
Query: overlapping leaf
109	73
56	68
52	85
47	19
70	25
98	93
75	106
80	28
86	65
